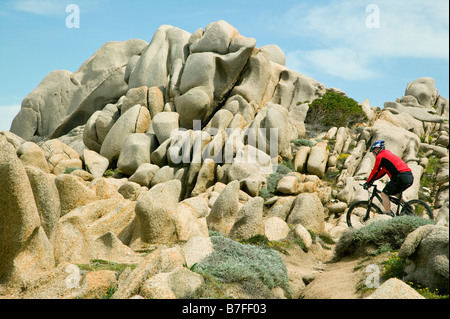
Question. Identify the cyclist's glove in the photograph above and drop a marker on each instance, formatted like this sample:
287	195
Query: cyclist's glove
366	186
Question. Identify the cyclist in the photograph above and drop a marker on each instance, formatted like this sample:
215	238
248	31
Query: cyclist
388	163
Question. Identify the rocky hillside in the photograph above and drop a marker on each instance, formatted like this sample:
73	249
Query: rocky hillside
198	165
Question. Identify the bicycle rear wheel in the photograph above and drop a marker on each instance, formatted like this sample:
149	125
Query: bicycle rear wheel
361	213
417	207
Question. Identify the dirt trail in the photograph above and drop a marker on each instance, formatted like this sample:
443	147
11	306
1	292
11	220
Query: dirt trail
339	280
325	280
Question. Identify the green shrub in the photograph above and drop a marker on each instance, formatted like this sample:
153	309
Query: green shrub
390	233
100	264
327	239
233	262
71	169
394	267
264	242
272	181
303	142
300	243
334	109
264	193
111	290
429	175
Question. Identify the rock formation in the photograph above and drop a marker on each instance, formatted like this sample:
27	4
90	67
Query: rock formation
150	146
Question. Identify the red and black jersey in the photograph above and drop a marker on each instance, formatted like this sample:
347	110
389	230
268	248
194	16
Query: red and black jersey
387	163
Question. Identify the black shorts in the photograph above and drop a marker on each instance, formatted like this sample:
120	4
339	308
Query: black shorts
399	183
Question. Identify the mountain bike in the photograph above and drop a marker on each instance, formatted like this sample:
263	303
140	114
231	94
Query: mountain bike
363	212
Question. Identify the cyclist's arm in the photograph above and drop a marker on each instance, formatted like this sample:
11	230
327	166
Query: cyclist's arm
377	171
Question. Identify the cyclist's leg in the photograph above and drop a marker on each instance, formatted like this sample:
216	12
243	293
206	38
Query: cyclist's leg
386	202
392	188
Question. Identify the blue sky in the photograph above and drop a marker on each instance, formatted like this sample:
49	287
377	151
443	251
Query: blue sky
368	52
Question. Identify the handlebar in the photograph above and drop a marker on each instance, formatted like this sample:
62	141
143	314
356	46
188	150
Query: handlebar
370	185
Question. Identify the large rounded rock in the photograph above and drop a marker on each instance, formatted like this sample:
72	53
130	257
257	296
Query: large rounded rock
144	174
424	90
46	197
95	163
206	177
426	250
155	100
135	151
135	120
276	228
256	85
56	151
24	247
161	62
73	192
301	159
317	160
293	87
277	120
395	289
276	55
155	209
164	124
203	86
65	100
307	210
225	209
135	96
197	249
249	220
31	154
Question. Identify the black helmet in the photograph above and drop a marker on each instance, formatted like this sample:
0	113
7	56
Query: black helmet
379	144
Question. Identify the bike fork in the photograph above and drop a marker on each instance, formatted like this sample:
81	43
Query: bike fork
369	205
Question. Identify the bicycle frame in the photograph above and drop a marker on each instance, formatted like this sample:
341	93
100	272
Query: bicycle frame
396	200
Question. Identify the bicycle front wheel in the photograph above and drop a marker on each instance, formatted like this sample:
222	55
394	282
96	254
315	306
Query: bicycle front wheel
361	213
417	207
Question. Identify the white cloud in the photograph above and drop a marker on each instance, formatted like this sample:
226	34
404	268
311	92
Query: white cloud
347	47
40	7
55	7
7	114
337	61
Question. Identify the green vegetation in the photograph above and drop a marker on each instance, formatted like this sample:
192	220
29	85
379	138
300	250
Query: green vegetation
111	290
386	235
250	265
71	169
326	239
100	264
426	292
112	172
334	109
303	142
272	181
212	288
263	242
429	174
394	267
392	231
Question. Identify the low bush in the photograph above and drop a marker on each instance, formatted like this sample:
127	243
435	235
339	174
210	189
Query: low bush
303	142
334	109
272	181
100	264
390	233
394	267
233	262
